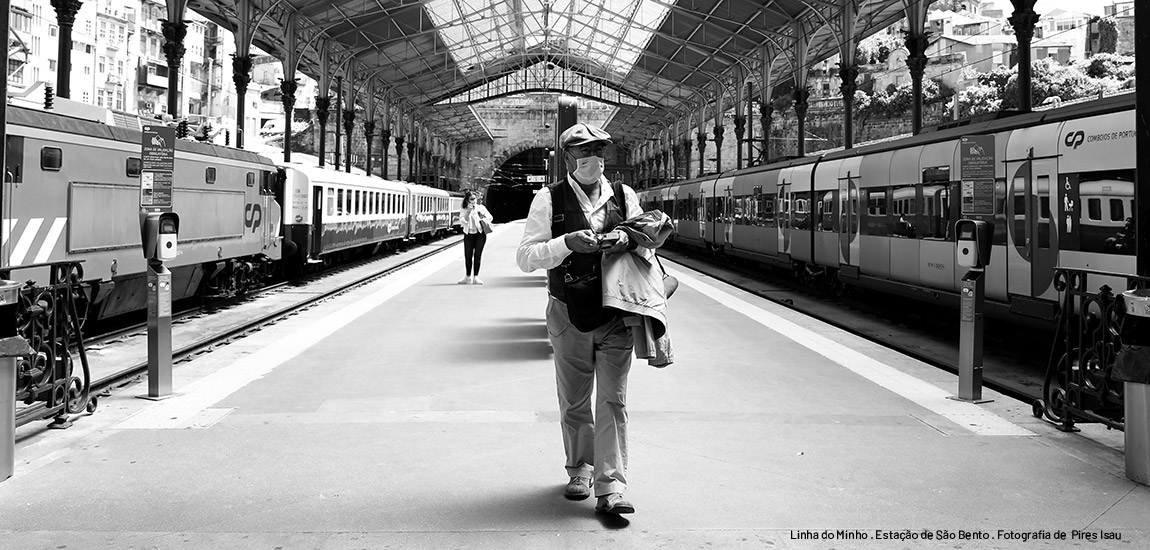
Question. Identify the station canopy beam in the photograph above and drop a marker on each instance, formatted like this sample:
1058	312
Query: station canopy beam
652	59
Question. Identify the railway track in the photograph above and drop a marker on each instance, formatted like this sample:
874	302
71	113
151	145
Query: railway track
1014	357
102	383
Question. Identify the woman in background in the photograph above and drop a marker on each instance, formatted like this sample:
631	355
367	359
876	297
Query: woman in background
473	236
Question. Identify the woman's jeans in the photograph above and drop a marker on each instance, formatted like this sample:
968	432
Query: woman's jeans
473	248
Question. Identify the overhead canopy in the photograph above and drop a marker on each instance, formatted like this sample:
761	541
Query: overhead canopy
656	60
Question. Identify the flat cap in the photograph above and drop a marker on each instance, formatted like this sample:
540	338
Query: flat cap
582	134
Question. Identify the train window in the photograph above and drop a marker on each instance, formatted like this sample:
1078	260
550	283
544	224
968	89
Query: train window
210	175
875	220
904	204
132	167
330	201
339	205
935	211
1117	212
250	179
826	212
1044	207
51	158
357	204
1094	209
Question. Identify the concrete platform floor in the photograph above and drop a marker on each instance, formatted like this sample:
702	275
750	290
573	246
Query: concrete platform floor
418	413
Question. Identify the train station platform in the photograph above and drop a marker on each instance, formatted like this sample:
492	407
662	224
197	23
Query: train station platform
419	413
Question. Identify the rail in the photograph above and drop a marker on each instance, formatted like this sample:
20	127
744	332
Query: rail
47	317
1079	385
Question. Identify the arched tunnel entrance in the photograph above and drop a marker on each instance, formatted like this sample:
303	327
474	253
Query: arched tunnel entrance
510	192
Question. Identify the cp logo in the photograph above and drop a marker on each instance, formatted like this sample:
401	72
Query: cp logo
1074	139
253	215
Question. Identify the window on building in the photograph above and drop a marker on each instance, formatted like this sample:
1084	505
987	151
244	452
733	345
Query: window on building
119	100
15	71
87	70
51	64
100	65
36	45
51	30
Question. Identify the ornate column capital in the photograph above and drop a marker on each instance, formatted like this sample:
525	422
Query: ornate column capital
174	33
66	11
322	103
849	76
289	87
1024	23
242	72
802	101
348	120
369	128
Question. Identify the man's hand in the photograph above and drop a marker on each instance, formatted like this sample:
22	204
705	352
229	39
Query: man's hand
615	241
583	241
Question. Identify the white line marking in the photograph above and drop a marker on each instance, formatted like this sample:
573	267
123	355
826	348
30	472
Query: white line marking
181	410
25	241
6	229
50	240
926	395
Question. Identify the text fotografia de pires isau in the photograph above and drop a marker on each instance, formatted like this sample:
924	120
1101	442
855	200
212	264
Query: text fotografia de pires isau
954	534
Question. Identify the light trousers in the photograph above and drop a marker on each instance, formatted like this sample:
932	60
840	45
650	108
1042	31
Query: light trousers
596	445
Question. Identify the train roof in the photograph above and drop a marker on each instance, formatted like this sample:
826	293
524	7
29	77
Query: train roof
316	174
993	123
48	120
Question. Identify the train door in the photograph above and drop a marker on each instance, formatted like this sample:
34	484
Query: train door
1031	226
848	215
783	211
701	214
849	212
728	216
271	191
316	221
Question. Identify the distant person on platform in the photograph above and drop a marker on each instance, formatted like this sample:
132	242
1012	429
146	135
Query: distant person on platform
476	222
570	226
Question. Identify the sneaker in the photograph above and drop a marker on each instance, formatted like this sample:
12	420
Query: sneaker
466	280
578	488
614	503
476	280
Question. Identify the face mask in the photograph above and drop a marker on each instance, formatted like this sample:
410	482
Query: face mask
589	169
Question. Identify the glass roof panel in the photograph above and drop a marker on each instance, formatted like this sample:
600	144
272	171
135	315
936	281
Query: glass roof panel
611	32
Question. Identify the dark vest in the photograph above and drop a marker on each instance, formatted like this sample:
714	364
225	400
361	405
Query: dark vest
577	282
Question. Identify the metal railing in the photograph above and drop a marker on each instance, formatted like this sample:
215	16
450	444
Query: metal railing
48	317
1080	385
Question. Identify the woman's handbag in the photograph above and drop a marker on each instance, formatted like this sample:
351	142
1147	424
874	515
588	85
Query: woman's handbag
485	226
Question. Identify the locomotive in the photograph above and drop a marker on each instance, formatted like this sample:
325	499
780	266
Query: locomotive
71	193
883	216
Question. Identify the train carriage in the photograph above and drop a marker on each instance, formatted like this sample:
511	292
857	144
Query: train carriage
429	212
72	189
331	211
882	216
